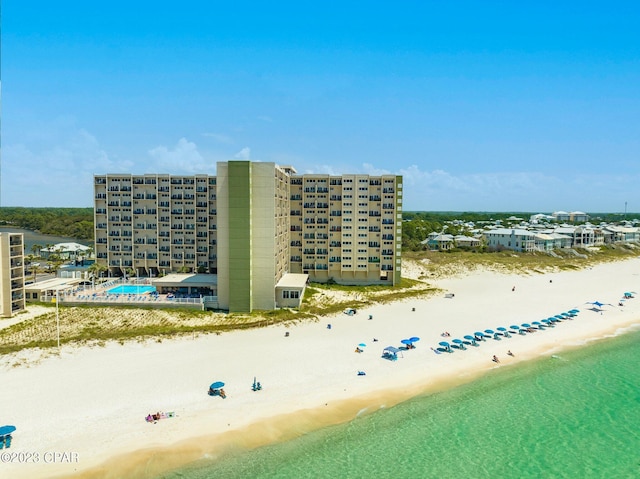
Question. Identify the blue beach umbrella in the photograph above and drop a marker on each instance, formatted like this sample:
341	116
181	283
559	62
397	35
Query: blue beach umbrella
362	345
414	339
513	326
459	342
537	323
574	311
471	339
6	430
488	331
217	385
444	344
526	325
480	335
406	341
504	331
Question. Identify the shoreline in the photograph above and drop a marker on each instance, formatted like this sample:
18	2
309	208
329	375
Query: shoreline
293	366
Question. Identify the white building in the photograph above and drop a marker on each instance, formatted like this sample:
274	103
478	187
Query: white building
510	238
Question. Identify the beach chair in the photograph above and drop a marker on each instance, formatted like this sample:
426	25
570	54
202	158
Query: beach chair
1	442
7	441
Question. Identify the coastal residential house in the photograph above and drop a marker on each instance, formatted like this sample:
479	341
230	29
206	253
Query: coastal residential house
584	237
513	239
467	241
620	234
11	274
439	242
544	242
251	225
66	251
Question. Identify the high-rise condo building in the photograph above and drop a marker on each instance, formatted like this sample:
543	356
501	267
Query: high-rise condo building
253	225
11	274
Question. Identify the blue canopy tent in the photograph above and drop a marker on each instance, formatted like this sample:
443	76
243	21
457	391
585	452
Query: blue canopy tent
391	353
597	305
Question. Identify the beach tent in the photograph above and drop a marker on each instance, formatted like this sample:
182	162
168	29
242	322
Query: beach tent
391	352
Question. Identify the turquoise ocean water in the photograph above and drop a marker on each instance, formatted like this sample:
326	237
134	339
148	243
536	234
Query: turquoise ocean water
573	416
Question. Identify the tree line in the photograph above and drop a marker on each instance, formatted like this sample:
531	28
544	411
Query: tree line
78	222
71	222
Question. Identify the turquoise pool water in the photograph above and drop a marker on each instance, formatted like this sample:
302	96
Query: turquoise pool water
131	289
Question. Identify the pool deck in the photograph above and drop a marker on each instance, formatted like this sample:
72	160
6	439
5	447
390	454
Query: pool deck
100	294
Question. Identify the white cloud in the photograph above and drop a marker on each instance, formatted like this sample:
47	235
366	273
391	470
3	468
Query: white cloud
244	154
184	158
54	166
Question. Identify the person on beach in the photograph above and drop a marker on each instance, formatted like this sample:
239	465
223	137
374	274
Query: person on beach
513	289
510	353
495	359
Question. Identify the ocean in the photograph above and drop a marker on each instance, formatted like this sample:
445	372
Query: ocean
573	415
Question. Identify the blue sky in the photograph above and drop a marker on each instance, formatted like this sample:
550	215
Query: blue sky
482	106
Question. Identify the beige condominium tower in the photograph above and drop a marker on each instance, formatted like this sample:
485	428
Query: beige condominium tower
12	298
253	225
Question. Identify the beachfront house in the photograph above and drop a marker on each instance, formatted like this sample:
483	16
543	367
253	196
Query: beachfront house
621	234
510	238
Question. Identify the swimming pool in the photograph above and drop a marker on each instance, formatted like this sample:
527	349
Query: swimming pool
131	289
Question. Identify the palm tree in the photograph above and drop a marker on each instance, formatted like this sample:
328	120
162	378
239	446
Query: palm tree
35	269
35	249
96	270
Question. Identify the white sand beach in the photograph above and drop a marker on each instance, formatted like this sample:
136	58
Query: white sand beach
82	413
